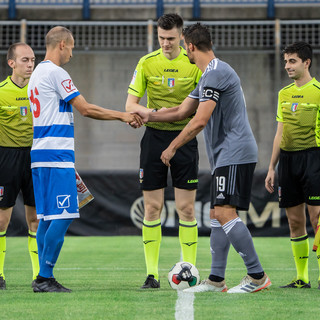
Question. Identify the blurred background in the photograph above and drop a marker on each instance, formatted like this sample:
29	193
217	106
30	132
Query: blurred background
112	35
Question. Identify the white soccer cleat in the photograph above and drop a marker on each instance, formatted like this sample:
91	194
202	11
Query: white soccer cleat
250	285
208	285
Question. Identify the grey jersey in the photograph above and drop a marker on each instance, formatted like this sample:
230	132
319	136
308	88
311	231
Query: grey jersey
228	135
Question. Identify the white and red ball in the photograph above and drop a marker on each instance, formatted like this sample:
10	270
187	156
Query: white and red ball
183	275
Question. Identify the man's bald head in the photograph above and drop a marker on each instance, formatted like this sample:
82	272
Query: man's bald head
56	35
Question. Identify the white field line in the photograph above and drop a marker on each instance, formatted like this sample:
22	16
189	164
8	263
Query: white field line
184	306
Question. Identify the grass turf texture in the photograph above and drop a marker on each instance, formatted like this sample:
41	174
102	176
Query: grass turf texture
105	274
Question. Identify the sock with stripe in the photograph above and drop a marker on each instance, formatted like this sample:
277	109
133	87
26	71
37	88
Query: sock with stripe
151	236
219	247
300	250
3	248
240	238
188	237
33	251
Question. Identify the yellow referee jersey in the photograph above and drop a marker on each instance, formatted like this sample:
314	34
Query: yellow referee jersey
15	115
167	82
299	110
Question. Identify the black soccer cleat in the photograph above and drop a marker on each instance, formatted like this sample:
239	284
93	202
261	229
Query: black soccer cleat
151	283
297	284
2	284
48	285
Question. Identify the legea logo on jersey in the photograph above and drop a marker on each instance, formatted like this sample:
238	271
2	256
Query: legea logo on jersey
294	107
68	85
63	201
23	111
171	82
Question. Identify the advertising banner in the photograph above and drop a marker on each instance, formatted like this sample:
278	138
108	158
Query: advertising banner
117	208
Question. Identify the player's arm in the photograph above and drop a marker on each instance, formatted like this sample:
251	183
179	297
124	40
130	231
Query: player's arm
93	111
269	181
187	108
195	125
132	104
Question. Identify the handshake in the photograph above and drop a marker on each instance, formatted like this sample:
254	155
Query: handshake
140	117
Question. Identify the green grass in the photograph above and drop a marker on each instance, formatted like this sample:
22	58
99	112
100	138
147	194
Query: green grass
105	274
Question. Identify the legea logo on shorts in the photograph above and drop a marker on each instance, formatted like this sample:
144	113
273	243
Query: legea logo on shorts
63	201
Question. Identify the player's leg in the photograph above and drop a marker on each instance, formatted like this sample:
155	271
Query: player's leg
299	245
32	222
50	236
153	179
314	218
188	229
219	247
291	171
232	187
184	173
5	216
11	168
151	234
30	211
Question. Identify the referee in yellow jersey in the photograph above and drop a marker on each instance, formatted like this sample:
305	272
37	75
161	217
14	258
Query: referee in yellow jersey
168	77
16	136
297	149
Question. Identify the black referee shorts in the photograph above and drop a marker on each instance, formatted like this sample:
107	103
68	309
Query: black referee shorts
15	175
184	165
299	178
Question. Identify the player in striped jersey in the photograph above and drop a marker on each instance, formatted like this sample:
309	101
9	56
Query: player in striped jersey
52	94
15	145
297	149
167	76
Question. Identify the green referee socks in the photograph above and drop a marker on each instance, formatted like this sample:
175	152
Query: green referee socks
33	251
300	250
188	237
151	236
3	248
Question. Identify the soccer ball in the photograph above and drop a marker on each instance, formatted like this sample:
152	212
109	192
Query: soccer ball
183	275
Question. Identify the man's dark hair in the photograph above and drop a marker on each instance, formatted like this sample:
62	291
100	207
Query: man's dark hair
302	49
11	53
199	35
170	21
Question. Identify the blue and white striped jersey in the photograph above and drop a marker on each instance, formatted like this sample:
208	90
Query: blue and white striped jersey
50	90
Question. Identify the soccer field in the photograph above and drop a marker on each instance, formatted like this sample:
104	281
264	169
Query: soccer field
105	274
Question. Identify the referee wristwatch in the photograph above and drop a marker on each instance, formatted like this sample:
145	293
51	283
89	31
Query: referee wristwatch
154	110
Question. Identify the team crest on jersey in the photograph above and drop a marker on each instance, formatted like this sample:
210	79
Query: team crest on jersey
171	82
23	111
68	85
294	107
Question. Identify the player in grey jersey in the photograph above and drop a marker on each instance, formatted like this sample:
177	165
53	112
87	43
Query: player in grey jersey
232	151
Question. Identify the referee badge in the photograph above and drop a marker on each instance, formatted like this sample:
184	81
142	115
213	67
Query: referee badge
23	111
294	107
171	82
